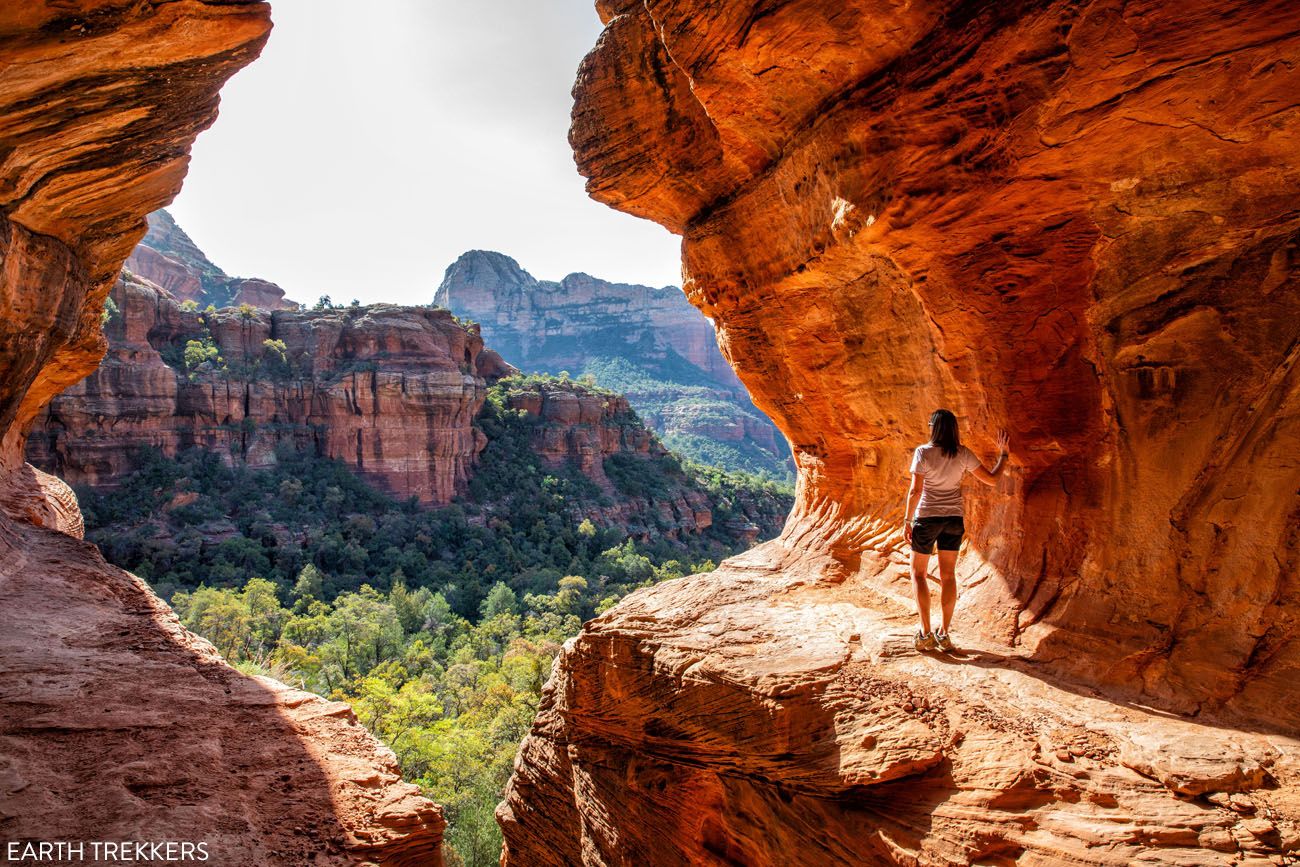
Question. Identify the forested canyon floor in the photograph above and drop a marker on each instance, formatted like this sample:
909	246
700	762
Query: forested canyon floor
264	471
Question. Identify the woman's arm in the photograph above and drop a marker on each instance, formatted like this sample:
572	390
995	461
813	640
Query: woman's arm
913	497
990	477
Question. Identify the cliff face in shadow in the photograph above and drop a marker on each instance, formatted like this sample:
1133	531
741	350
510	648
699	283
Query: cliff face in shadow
1072	220
117	723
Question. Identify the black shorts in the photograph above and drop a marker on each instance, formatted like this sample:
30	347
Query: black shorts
947	530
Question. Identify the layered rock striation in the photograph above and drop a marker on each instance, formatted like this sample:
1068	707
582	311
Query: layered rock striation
396	393
548	325
117	724
648	343
1072	220
392	391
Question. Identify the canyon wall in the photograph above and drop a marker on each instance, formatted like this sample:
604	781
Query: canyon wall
1072	220
117	723
392	391
648	343
553	326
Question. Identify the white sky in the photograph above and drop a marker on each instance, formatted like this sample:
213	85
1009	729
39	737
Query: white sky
371	145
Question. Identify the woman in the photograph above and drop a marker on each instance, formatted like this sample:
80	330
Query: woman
935	500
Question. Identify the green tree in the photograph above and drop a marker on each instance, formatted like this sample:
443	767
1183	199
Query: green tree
410	607
572	591
110	310
500	600
199	353
310	583
276	349
366	631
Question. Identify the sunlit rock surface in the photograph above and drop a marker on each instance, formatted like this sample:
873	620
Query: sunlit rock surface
1075	221
115	723
392	391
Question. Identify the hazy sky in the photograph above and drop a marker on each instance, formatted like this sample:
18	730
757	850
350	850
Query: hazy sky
369	147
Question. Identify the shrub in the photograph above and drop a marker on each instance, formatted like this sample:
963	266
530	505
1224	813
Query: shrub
110	310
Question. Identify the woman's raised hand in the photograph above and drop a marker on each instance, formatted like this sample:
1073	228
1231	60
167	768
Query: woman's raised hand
1004	440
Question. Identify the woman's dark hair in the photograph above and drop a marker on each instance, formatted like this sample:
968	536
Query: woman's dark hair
943	432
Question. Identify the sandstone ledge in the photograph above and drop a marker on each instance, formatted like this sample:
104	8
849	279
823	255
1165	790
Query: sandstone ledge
755	716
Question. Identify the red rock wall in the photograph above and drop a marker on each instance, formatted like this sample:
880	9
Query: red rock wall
117	723
1072	220
582	427
393	391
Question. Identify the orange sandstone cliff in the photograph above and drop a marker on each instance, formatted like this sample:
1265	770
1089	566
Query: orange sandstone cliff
117	724
390	390
393	392
1074	220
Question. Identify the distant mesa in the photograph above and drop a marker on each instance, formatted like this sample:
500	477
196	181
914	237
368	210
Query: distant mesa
169	258
647	342
538	323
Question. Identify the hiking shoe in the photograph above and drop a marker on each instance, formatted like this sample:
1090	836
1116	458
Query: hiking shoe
944	642
925	641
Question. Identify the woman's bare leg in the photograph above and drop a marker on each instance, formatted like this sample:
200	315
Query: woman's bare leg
947	585
920	566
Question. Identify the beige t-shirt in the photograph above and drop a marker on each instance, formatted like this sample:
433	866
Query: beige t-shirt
941	489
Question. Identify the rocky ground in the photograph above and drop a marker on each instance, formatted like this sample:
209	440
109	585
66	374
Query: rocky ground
749	716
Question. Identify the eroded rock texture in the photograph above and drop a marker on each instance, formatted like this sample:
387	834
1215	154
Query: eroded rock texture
119	724
390	390
1072	220
116	723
